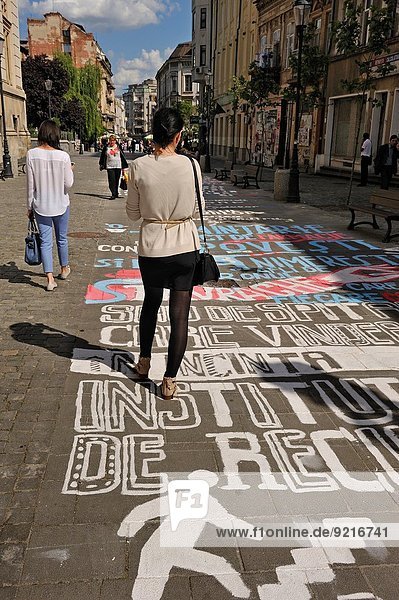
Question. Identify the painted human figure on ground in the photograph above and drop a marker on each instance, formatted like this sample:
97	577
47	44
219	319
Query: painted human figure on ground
156	562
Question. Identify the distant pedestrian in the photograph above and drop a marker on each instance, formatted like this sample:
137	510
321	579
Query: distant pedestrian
386	161
366	160
49	177
162	193
113	160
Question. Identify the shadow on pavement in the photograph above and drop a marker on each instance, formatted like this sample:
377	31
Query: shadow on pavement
101	196
63	344
11	272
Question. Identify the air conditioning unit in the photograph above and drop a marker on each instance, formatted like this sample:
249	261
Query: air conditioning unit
202	70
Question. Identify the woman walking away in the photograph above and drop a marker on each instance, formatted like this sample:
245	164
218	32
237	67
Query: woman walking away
49	177
162	193
113	159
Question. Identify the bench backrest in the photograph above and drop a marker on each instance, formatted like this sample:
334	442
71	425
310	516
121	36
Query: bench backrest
252	169
386	198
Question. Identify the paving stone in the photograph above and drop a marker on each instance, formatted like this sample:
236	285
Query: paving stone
60	591
11	561
53	507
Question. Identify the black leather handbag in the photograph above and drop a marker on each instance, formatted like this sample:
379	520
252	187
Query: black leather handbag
206	268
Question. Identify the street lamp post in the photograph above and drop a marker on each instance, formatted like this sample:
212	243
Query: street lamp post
7	169
49	86
208	91
301	12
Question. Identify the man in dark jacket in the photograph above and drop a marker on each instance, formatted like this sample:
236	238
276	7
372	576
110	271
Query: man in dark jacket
386	161
114	161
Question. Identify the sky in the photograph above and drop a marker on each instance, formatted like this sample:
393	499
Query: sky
136	35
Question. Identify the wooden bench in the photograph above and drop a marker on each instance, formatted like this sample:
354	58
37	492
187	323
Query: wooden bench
382	203
224	171
245	174
251	174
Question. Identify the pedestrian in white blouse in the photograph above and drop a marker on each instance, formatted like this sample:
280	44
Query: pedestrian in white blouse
49	177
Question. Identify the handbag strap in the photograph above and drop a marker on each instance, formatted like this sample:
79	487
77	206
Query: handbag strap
198	194
32	225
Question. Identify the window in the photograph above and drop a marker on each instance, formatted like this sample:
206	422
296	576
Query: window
193	22
290	47
328	33
188	85
317	33
276	49
346	116
366	21
203	18
202	56
174	83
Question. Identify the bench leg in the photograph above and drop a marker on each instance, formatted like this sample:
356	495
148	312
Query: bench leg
235	182
375	224
387	237
352	223
257	184
246	183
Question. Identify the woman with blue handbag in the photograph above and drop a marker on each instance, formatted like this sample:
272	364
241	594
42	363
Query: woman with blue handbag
49	177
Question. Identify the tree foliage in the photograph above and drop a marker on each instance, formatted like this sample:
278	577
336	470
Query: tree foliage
74	96
186	110
84	88
35	71
314	66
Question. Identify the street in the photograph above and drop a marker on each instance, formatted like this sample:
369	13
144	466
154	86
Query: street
288	392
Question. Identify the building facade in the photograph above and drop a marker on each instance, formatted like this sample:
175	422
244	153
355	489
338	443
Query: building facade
55	34
277	40
231	35
175	80
14	95
140	102
381	114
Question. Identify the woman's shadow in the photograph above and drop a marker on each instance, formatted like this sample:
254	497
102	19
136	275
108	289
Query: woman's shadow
13	274
63	344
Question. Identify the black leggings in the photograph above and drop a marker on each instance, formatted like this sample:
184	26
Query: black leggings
179	308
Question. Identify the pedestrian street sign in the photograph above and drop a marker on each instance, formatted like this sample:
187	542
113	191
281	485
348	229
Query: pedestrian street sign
383	60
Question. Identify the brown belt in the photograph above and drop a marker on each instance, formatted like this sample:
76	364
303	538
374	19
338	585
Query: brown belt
169	223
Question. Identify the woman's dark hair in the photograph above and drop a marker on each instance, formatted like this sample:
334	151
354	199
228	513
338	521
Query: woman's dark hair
167	123
49	133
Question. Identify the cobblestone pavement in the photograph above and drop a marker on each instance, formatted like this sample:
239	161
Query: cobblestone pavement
326	192
289	392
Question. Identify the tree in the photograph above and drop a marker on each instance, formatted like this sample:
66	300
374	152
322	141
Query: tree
186	110
348	38
35	71
314	65
73	115
255	91
84	85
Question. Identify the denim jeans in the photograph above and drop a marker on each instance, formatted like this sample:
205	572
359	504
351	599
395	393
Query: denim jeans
45	224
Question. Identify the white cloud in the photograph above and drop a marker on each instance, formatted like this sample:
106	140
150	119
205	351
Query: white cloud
145	66
105	14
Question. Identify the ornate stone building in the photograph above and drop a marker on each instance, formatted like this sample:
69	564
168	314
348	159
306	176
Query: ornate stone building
54	33
14	95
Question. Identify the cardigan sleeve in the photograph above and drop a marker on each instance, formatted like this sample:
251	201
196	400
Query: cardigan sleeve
196	214
133	198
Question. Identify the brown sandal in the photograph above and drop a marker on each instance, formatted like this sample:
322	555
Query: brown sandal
168	388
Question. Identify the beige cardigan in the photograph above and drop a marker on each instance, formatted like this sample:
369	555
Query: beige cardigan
162	189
